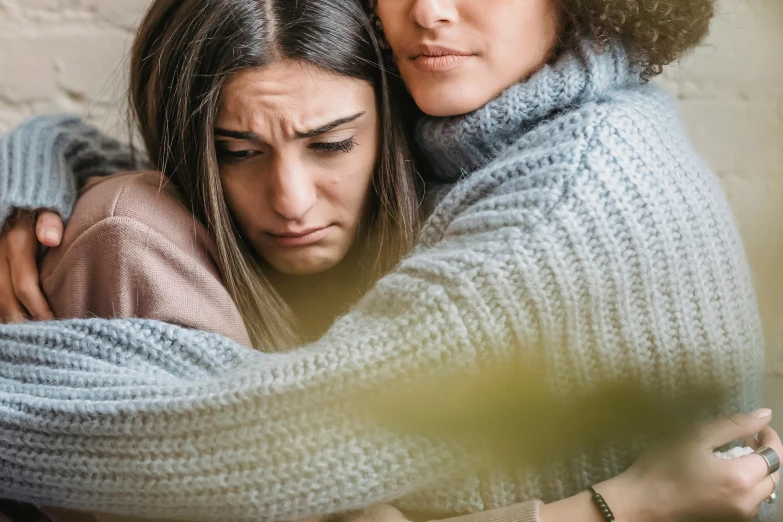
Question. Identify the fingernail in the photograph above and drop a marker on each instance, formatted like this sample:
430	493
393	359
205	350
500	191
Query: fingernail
50	235
762	413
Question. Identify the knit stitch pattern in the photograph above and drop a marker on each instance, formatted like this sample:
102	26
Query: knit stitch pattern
46	159
588	236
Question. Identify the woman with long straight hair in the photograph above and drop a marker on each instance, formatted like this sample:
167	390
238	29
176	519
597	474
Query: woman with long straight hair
190	102
585	235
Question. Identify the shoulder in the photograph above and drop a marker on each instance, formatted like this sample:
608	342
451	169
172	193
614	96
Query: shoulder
147	199
645	116
640	146
146	203
629	145
134	250
631	132
139	210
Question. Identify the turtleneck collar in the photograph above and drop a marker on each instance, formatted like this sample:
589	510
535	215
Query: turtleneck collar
464	143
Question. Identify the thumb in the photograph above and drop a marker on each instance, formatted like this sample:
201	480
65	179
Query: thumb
49	228
723	430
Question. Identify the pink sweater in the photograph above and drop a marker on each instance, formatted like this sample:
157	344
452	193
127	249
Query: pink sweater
133	249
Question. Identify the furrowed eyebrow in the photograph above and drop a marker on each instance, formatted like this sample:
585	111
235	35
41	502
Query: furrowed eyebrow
252	136
329	126
249	136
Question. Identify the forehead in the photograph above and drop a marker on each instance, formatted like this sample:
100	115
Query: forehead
296	92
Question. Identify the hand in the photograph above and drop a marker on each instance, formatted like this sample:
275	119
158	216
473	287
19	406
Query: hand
685	481
20	290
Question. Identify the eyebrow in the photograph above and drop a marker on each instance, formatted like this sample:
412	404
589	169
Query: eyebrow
248	136
252	136
329	126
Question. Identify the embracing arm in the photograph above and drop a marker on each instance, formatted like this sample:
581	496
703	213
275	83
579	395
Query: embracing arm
45	160
146	418
142	417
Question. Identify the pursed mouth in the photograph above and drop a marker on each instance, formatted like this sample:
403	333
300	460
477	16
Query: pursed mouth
435	51
300	238
442	63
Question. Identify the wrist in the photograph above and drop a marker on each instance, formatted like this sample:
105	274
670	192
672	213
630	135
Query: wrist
625	497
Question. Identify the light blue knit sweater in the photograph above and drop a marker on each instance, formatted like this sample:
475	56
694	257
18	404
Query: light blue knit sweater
587	230
44	160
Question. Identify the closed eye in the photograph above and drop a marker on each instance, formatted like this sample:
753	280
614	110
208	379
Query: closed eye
334	147
236	155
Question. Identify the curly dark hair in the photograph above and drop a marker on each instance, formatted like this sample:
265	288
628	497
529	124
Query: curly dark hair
654	32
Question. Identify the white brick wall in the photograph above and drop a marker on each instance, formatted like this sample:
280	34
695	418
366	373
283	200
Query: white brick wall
69	55
65	55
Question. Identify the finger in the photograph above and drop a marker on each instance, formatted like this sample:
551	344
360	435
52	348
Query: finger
757	465
752	442
24	270
26	284
723	430
770	437
764	488
11	310
49	228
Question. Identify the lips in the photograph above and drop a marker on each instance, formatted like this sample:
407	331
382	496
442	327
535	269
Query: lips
300	238
437	58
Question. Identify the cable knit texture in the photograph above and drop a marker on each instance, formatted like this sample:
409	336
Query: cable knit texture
39	158
588	234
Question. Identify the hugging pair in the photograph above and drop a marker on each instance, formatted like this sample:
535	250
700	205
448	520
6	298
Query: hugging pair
545	208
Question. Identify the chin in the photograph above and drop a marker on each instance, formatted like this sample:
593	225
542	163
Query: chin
303	267
449	97
304	263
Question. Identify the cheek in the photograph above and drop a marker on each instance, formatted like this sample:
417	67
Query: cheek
243	201
393	17
350	188
522	36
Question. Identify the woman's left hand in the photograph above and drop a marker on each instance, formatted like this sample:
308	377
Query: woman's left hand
20	290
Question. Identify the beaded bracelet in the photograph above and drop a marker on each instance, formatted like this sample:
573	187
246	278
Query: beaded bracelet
602	506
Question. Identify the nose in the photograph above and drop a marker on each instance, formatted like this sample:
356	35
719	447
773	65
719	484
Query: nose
293	192
429	14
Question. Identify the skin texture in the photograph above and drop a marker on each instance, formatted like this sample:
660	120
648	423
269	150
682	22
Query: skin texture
283	181
505	40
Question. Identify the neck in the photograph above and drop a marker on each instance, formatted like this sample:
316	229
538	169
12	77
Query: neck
462	144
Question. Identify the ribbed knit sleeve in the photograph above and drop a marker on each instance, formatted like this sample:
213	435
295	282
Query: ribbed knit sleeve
144	418
45	160
538	256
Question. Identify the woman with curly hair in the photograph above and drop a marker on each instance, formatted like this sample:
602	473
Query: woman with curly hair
571	225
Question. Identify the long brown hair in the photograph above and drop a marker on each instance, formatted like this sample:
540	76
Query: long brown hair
185	51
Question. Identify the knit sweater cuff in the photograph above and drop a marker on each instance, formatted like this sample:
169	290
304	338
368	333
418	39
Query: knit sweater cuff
46	158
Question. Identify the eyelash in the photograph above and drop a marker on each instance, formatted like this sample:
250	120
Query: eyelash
327	147
235	156
334	147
